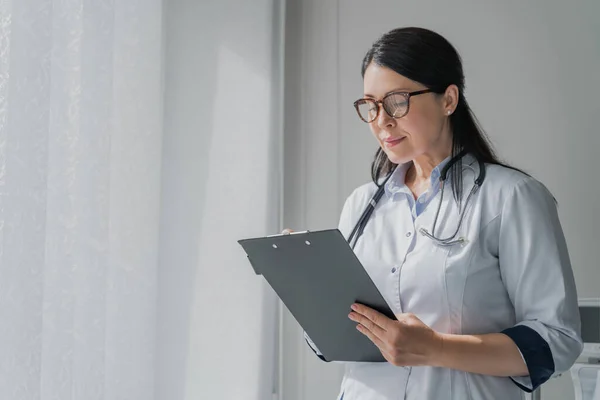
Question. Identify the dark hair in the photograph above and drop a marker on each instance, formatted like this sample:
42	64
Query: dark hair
428	58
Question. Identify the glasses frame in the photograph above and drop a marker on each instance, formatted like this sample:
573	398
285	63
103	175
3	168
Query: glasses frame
380	105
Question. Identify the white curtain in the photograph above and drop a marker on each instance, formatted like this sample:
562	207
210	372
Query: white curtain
80	151
120	277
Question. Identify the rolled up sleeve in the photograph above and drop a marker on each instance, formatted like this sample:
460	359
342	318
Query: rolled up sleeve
537	273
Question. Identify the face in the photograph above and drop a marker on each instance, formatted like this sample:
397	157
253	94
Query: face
424	131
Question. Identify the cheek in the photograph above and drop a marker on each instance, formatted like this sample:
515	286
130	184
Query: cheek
375	131
421	127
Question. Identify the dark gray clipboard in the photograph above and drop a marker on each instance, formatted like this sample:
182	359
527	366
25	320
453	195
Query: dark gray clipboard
318	277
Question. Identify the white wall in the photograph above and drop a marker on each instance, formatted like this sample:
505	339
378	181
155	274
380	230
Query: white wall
221	182
532	79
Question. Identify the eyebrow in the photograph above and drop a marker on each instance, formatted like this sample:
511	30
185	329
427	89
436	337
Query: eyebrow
391	91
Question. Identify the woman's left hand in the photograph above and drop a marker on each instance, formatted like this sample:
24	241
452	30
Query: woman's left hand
405	342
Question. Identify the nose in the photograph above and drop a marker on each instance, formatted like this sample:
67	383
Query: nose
383	119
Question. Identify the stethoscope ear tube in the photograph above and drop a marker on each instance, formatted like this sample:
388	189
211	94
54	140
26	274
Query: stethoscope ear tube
364	218
362	221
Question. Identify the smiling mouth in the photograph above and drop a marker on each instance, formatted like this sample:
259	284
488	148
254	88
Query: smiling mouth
392	142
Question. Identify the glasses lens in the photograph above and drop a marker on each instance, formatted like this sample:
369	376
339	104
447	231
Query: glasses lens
367	109
396	105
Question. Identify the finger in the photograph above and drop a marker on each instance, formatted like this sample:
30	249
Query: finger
287	231
367	323
376	341
374	316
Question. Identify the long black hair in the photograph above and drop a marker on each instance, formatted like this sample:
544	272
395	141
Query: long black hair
428	58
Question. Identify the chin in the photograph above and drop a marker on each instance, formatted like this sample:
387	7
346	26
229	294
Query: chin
399	157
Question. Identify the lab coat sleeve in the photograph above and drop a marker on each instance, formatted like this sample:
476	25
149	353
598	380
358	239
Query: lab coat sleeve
313	347
536	270
345	226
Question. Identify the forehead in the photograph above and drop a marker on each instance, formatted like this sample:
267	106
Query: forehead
378	81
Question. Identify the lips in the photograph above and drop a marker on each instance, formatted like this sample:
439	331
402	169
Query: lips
391	141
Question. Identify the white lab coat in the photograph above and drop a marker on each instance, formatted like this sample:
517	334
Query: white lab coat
514	270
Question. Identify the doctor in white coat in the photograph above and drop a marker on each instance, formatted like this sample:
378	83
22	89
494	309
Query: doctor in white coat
468	252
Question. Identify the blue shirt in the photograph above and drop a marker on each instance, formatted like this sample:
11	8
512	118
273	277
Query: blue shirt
512	276
396	186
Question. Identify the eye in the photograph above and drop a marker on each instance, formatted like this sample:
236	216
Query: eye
397	101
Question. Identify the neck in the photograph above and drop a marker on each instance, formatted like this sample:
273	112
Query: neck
424	164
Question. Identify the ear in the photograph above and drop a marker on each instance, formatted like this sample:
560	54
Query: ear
450	100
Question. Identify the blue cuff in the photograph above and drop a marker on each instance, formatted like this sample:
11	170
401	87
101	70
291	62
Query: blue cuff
314	351
535	351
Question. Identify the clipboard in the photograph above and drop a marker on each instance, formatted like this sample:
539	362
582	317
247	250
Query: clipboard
318	277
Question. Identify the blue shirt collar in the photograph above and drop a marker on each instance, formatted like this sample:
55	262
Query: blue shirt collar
396	183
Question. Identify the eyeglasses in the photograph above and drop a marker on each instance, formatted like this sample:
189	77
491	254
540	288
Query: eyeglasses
395	104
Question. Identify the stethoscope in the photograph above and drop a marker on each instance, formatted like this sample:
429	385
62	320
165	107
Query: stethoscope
449	241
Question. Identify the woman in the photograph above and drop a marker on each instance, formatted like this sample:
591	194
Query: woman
486	303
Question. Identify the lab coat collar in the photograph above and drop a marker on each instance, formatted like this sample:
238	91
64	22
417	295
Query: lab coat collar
396	183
